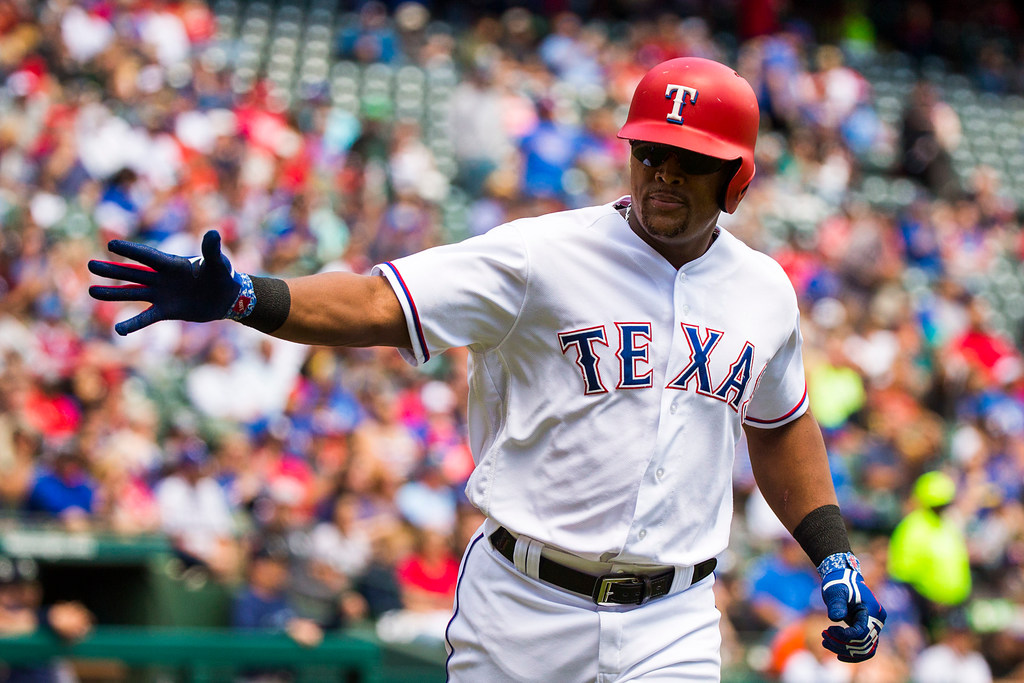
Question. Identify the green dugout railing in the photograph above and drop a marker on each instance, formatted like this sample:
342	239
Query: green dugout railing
208	655
216	655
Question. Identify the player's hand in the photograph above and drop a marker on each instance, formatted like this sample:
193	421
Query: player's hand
848	599
197	289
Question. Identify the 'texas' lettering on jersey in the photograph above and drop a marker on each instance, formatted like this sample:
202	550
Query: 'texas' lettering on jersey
633	354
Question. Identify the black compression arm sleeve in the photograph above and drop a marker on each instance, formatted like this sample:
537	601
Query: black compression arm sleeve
822	533
273	301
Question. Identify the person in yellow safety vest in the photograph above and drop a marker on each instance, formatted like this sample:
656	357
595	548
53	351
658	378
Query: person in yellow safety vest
928	552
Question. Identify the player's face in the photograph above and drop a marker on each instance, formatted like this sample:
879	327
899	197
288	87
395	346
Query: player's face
675	198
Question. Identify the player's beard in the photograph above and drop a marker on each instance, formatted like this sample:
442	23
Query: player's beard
666	224
678	234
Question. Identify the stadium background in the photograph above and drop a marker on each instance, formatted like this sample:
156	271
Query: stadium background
146	477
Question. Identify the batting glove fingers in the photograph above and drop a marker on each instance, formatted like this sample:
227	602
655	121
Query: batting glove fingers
848	599
197	289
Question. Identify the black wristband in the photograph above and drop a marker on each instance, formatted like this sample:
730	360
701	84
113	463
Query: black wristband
273	301
822	533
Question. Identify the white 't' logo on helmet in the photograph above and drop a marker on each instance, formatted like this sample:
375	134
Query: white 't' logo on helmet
678	93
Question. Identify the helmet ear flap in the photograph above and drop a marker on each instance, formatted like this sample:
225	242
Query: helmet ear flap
729	172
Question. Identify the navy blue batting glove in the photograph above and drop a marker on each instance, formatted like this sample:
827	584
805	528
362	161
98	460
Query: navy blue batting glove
197	289
848	599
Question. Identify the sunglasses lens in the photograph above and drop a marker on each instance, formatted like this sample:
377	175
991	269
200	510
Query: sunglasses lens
651	155
698	164
690	163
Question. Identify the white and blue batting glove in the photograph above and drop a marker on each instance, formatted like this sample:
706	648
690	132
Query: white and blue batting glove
198	289
849	600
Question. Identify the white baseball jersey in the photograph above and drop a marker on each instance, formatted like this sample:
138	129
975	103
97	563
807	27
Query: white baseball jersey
607	388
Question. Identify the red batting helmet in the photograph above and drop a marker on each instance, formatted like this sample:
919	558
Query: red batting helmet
699	105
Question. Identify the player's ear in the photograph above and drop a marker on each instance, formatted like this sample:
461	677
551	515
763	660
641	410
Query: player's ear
725	177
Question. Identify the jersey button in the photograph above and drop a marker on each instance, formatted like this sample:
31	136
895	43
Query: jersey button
674	407
686	309
643	534
660	473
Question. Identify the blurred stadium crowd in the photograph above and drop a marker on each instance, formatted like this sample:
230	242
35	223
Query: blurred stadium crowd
317	138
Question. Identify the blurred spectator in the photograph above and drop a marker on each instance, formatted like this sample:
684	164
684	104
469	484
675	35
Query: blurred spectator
86	34
321	404
979	349
22	612
807	661
341	543
125	424
288	480
64	489
954	658
262	604
124	501
372	39
928	551
930	131
427	578
413	173
840	95
481	146
339	554
835	389
244	385
385	439
782	586
426	500
233	471
19	449
548	151
993	68
406	223
51	411
367	480
195	513
117	213
379	584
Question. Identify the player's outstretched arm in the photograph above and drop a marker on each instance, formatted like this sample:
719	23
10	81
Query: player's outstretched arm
791	468
341	309
344	309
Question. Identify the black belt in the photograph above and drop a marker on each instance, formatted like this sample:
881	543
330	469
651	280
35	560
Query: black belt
610	589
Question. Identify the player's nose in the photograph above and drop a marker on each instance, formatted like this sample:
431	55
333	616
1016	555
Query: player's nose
670	172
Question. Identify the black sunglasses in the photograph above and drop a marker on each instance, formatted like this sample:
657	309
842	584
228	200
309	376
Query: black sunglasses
691	163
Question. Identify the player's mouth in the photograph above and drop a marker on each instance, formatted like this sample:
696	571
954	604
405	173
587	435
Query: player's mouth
664	201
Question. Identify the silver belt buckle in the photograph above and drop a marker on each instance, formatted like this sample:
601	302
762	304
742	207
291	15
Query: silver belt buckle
606	587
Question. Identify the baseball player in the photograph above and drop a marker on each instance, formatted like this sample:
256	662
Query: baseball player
617	355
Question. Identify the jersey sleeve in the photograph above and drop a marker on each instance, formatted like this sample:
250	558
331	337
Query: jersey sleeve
780	395
464	294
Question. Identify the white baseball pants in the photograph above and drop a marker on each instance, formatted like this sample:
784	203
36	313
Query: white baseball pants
508	627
